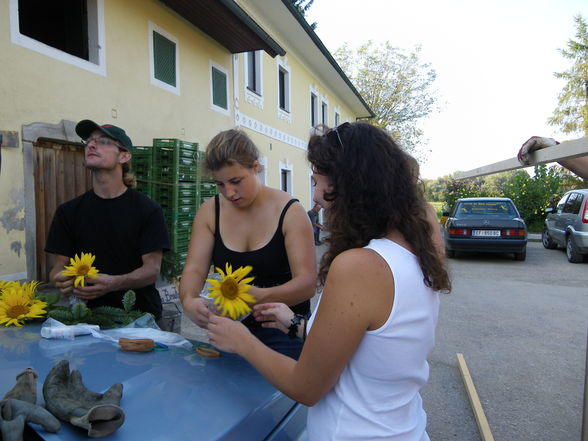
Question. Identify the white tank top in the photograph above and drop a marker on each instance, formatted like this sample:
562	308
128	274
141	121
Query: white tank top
377	395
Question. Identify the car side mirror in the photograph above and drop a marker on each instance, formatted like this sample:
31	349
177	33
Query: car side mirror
549	210
446	213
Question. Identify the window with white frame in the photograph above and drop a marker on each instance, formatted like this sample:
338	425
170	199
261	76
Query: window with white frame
337	119
163	49
313	109
324	113
286	176
219	88
283	89
72	32
253	71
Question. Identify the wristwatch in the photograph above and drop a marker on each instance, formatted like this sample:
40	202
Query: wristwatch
293	329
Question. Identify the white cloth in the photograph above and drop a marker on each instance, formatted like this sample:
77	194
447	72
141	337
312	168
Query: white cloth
377	395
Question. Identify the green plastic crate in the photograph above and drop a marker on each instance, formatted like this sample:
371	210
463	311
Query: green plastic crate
145	187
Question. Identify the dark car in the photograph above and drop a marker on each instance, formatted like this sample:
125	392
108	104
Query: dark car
489	225
566	226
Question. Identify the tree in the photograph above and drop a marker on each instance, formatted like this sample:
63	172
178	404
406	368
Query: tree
396	85
303	6
571	114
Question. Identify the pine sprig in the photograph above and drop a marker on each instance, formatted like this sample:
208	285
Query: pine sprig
103	316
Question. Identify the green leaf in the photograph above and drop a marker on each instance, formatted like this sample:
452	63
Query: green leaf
129	300
50	298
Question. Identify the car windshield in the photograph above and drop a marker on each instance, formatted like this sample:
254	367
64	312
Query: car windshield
485	209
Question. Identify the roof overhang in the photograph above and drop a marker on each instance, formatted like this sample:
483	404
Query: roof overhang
226	23
298	37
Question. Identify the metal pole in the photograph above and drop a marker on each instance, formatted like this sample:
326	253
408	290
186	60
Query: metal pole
585	408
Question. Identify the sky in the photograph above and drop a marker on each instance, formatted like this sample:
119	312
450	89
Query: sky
494	60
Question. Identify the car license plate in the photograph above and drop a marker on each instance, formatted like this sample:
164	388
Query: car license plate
486	233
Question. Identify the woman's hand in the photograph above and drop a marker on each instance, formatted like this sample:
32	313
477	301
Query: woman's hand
274	315
226	334
196	309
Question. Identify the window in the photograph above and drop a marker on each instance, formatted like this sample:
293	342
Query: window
313	110
286	176
324	113
562	202
164	59
337	119
573	203
70	31
253	71
284	89
219	88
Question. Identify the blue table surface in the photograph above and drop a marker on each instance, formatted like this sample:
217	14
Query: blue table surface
167	395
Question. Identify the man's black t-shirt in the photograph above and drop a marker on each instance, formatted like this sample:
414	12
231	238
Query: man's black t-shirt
118	232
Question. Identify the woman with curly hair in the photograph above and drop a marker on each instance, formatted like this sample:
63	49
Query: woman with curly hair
365	357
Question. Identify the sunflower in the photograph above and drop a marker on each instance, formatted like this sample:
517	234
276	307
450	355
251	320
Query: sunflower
230	293
80	268
4	284
16	306
30	287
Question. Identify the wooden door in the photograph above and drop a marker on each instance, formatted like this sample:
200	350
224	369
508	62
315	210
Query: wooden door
60	175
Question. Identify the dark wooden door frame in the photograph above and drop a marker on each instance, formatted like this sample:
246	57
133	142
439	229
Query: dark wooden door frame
62	132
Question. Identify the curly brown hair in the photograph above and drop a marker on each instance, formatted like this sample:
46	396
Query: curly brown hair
374	192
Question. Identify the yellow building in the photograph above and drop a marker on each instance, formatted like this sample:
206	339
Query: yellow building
159	69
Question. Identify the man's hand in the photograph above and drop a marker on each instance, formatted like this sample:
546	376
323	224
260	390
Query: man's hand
97	287
64	284
532	144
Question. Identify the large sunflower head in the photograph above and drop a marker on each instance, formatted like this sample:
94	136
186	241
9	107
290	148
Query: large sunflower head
5	284
16	306
29	288
80	268
230	292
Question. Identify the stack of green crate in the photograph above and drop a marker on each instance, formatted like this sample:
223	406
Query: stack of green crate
208	187
176	188
142	167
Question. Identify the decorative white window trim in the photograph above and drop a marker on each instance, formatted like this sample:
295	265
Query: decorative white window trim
282	65
263	173
224	70
236	81
314	92
154	81
289	167
337	116
271	132
254	97
324	111
96	40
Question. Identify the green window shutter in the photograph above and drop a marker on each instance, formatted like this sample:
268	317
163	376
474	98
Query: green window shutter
164	54
219	88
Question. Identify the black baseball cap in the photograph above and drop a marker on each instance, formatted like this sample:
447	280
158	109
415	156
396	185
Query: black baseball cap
85	128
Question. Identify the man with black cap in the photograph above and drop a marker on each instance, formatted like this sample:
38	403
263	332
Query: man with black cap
123	228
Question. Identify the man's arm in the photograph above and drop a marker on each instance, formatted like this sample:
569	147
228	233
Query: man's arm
578	166
145	275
